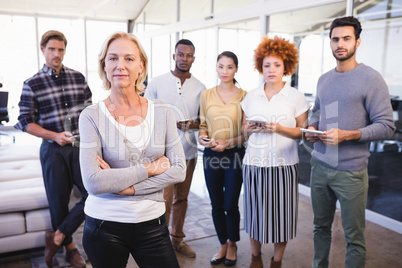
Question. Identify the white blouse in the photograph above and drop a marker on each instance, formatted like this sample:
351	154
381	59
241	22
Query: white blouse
272	150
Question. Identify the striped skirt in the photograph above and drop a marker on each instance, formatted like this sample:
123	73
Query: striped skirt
270	202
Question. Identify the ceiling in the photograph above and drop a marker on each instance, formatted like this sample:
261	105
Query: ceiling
119	10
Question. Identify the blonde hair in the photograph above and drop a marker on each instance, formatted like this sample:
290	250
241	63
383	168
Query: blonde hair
139	84
280	48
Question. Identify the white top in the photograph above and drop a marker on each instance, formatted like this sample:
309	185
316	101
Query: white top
184	100
124	210
268	150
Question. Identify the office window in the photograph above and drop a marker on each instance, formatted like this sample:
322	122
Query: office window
306	27
381	23
18	53
205	55
97	32
161	54
376	10
242	38
73	29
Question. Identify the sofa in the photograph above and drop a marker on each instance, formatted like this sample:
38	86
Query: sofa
24	213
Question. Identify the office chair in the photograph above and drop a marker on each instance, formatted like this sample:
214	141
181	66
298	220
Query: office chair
3	107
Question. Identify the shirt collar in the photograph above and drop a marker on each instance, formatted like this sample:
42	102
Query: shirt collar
176	78
285	90
50	71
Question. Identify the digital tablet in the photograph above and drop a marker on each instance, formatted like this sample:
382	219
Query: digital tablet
184	121
312	131
256	121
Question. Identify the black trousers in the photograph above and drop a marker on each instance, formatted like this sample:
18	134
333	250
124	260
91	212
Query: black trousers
108	244
61	171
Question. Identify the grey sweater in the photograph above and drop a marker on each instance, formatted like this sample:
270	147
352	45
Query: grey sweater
98	136
354	100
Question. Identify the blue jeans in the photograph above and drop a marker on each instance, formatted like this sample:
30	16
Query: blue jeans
350	188
223	177
108	244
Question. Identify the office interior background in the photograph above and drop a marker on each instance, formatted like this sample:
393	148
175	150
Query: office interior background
215	26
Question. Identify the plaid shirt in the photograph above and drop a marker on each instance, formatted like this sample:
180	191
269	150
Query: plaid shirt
54	102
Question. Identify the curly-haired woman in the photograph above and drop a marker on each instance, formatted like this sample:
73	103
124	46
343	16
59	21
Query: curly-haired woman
273	116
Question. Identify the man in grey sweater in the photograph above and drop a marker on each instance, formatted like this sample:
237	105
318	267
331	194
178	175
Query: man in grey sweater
353	108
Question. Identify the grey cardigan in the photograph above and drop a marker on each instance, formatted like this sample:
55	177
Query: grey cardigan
98	136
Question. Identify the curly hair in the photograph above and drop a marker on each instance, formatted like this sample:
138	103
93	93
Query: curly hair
277	47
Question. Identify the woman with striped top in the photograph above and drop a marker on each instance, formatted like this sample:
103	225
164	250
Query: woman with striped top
273	116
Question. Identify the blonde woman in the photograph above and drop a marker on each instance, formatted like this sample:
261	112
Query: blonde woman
130	151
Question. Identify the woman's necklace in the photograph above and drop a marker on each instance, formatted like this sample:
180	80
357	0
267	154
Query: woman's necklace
132	158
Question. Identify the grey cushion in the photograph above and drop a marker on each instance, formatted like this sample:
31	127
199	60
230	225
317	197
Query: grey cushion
38	220
12	224
23	241
22	199
17	153
18	170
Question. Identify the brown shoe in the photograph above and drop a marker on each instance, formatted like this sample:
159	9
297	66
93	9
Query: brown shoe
50	248
183	248
276	264
256	261
74	257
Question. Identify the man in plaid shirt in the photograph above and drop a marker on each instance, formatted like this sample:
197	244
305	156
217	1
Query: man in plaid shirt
51	102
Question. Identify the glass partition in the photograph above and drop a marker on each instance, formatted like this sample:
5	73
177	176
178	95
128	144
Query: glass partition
380	45
380	48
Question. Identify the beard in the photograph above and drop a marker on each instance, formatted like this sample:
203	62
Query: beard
345	57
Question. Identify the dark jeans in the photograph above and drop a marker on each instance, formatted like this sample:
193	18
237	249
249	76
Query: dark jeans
108	244
61	171
223	176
